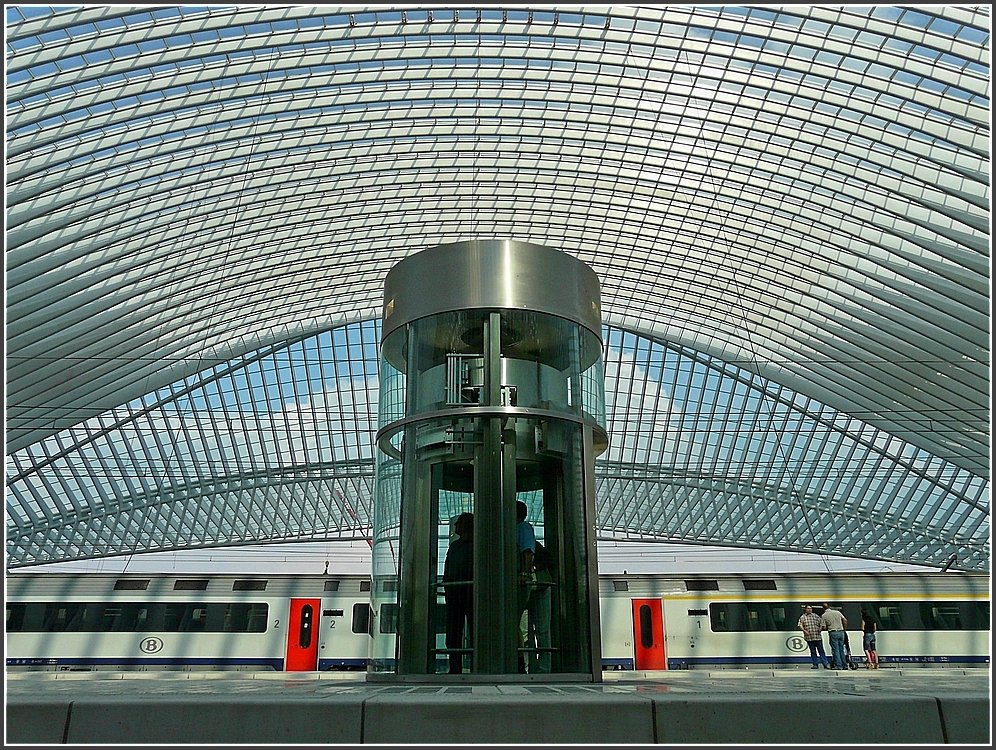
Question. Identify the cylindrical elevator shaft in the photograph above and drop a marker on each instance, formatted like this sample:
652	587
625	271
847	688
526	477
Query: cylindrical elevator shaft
491	408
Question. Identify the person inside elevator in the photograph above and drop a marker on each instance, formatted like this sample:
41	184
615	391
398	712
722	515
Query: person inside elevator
535	578
458	590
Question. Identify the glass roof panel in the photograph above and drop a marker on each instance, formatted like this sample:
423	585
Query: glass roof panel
800	192
287	433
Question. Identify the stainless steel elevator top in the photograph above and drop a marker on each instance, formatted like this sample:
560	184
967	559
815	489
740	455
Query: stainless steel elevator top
491	274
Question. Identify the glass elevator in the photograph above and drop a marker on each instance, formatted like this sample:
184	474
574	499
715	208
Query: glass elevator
492	407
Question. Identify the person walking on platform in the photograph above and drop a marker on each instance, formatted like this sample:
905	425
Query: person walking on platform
869	628
835	624
811	627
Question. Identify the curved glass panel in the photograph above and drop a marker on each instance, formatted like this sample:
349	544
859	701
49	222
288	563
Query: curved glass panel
548	363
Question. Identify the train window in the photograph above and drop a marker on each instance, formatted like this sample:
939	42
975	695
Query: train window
978	615
719	616
182	618
63	617
331	613
388	618
365	585
124	617
131	584
249	584
742	617
94	617
759	584
110	618
390	584
332	585
646	627
889	617
15	617
944	616
245	618
306	626
620	585
734	617
701	584
361	618
697	612
190	584
771	616
256	623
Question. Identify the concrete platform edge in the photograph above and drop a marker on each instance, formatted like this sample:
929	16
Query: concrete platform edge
934	707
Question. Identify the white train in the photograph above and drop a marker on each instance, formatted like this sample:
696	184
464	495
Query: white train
301	623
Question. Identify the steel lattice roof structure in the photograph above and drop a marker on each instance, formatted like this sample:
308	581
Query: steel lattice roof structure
787	208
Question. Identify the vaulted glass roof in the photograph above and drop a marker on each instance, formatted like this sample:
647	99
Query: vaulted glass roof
787	208
278	444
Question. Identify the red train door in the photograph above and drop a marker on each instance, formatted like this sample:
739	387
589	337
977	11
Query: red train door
302	635
648	634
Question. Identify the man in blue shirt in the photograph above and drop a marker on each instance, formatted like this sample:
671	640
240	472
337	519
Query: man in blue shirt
534	595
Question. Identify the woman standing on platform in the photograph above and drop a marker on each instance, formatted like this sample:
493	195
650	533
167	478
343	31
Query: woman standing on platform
869	628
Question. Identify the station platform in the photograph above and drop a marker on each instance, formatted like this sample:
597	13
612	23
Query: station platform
943	706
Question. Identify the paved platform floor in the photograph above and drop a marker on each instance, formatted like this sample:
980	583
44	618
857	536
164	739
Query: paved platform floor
784	706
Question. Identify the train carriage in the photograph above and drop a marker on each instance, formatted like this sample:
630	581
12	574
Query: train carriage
304	623
101	621
682	622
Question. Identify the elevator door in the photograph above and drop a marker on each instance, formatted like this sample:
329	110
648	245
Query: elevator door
648	634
